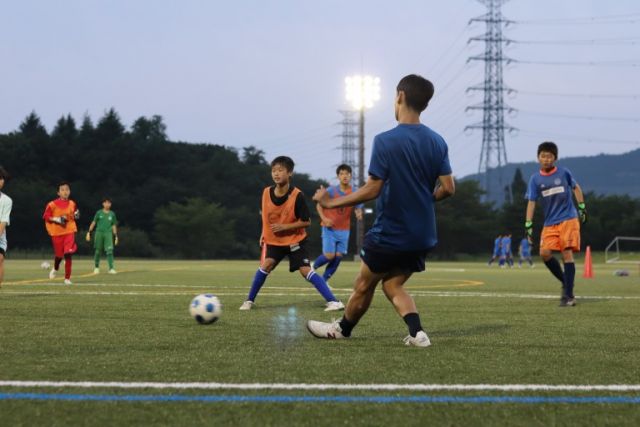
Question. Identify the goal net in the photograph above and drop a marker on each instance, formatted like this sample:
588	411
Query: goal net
623	250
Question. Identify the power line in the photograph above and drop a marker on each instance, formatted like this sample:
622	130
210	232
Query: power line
581	138
614	63
611	41
603	19
579	95
581	117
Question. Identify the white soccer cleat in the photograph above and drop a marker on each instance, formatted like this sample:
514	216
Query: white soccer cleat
421	340
96	270
247	305
334	306
52	274
112	271
325	330
68	282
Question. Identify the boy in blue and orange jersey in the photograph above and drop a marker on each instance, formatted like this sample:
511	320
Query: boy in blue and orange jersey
554	186
60	220
285	216
336	224
496	249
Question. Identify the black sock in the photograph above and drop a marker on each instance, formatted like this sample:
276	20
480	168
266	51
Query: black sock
413	322
569	277
347	326
56	263
554	267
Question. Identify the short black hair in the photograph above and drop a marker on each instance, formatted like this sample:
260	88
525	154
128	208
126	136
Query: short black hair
548	147
106	198
61	183
418	91
285	161
4	174
343	167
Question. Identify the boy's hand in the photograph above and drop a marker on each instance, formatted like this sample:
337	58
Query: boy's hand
582	212
76	214
327	222
276	228
528	229
62	220
321	196
88	236
115	241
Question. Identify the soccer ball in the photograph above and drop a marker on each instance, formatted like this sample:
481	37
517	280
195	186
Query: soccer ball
45	265
205	308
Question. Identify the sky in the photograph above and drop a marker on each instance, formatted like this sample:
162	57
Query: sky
271	73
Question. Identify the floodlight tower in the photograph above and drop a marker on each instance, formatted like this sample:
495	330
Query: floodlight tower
493	154
362	92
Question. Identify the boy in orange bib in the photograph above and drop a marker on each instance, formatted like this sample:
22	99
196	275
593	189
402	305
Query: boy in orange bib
60	217
285	216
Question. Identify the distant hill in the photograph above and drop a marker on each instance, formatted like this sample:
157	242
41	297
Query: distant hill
603	174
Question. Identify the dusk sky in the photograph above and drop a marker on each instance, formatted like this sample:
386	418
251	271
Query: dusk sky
271	73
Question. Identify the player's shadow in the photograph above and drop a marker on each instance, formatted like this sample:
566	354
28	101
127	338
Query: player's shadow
473	330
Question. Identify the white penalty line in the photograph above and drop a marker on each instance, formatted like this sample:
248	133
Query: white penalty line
311	387
73	290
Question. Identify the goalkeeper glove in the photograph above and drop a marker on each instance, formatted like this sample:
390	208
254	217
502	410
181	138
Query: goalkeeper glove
528	229
62	220
76	214
582	212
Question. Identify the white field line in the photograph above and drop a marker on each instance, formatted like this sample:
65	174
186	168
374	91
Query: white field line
303	386
72	290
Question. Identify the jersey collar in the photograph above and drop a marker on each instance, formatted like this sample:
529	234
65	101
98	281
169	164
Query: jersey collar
551	172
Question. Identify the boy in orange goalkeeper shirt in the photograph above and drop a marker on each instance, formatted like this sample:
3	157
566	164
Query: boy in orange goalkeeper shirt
60	217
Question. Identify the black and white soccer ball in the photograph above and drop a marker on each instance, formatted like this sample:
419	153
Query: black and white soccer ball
205	308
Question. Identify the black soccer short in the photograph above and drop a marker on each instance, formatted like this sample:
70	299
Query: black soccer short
3	252
297	253
382	260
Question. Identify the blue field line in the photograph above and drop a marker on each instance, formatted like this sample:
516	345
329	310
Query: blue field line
323	399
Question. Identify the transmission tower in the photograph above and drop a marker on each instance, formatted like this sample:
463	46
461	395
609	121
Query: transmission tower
349	144
493	155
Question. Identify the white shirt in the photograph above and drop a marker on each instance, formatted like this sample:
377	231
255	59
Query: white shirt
5	208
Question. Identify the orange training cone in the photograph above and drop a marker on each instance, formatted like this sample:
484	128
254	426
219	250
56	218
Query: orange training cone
588	265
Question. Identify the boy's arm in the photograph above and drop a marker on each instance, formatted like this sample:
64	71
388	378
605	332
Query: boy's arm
358	212
369	191
528	223
114	229
327	222
582	208
446	188
91	227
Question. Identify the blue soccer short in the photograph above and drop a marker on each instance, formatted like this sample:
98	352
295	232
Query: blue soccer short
334	241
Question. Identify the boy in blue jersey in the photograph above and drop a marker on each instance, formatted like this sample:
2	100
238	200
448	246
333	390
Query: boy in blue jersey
524	251
506	253
336	224
553	186
496	249
409	170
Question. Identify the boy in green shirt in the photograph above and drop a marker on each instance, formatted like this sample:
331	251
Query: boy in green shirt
106	237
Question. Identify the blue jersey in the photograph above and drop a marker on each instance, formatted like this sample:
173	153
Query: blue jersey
409	159
496	245
506	245
525	247
555	191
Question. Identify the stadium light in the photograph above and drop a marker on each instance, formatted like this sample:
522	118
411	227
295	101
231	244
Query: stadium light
362	92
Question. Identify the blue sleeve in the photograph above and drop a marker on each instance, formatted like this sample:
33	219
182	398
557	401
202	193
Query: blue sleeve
379	164
532	190
332	191
570	180
445	166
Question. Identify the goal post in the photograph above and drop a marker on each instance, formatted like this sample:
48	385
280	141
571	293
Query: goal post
623	250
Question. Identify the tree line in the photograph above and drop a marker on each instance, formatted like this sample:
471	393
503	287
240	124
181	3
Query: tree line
202	201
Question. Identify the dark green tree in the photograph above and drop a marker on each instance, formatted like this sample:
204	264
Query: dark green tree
33	129
65	130
109	127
